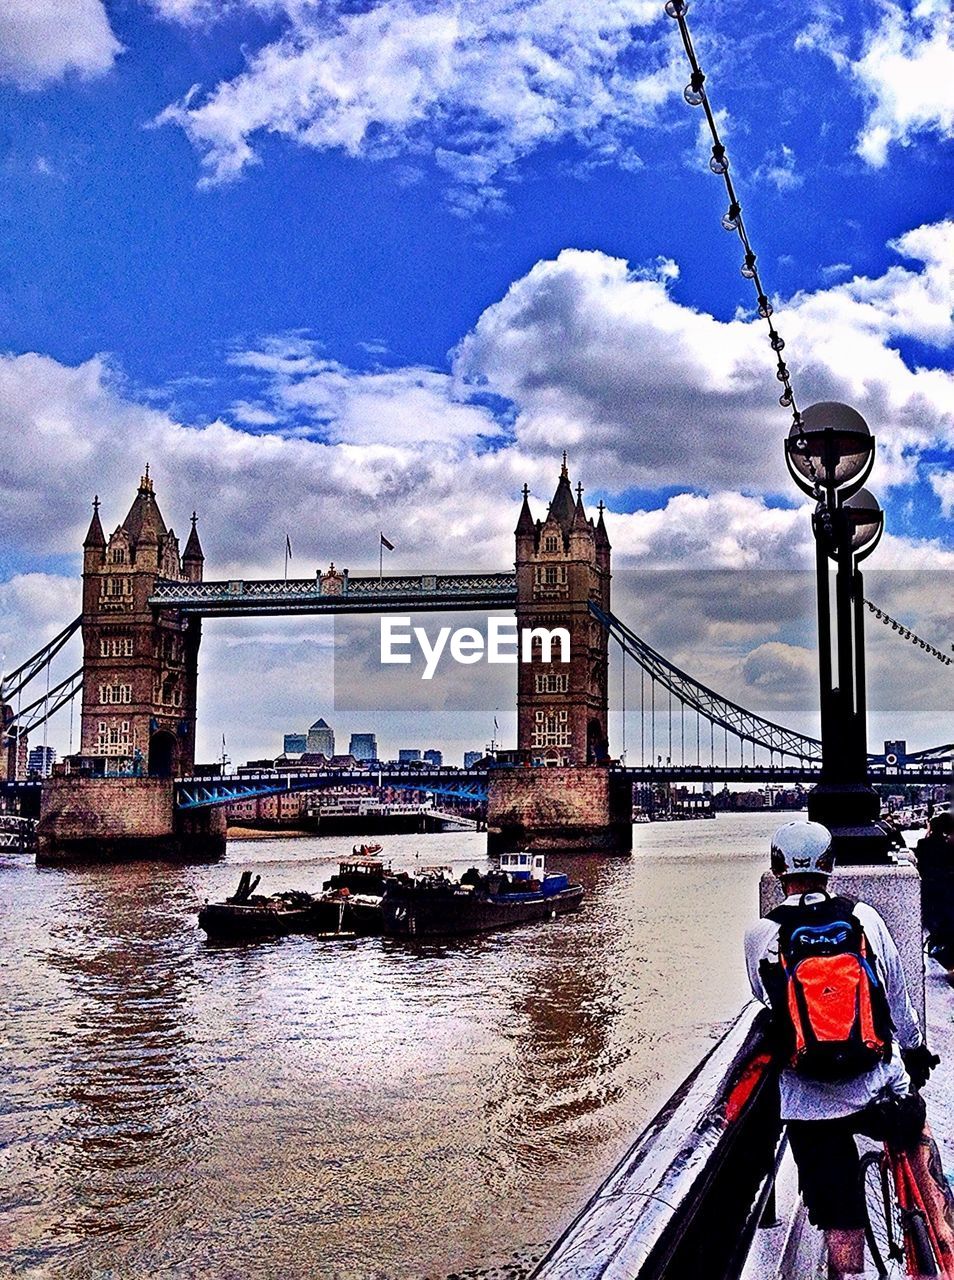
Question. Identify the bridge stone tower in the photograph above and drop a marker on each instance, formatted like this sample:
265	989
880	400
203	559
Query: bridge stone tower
139	664
560	793
563	563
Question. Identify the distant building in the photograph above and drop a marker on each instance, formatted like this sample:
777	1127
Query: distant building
40	762
364	746
13	746
471	758
407	755
295	743
436	758
321	739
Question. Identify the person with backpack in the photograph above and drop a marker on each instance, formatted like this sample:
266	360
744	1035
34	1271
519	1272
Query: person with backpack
849	1046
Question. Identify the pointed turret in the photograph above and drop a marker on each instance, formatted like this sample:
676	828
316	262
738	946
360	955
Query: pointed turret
579	513
95	536
602	537
525	522
192	557
563	508
144	523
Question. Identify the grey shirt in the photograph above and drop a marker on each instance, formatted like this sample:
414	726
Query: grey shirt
804	1099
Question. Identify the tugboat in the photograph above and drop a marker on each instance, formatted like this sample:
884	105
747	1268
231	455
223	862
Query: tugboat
519	891
359	884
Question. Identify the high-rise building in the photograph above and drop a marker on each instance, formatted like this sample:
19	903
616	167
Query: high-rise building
408	755
471	758
436	758
295	743
364	746
321	739
40	762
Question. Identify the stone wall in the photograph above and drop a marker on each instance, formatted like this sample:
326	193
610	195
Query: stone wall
585	809
83	819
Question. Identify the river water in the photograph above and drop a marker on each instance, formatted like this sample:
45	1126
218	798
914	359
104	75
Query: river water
356	1110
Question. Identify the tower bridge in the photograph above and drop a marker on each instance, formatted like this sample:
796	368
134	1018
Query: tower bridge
132	788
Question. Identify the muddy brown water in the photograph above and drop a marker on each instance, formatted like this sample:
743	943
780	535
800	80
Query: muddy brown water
356	1110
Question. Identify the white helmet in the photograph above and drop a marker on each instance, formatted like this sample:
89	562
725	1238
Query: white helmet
802	848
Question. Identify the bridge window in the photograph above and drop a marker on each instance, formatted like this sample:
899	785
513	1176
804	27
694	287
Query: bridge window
118	555
118	586
115	646
171	694
551	543
550	575
551	729
552	683
113	739
115	693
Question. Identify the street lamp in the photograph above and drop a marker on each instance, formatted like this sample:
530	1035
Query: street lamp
829	456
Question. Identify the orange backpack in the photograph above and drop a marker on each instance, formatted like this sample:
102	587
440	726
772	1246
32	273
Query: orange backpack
830	1008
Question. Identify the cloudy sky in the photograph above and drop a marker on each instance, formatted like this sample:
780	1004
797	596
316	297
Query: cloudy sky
338	266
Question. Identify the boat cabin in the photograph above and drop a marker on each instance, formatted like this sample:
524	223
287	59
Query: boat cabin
523	866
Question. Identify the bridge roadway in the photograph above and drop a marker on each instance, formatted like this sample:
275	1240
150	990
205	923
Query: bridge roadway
339	593
471	784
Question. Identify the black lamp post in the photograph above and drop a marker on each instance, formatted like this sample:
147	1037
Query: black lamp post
832	454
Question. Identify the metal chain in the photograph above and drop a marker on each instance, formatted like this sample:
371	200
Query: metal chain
732	220
908	633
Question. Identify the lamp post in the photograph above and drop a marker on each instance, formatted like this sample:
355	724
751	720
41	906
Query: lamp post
832	454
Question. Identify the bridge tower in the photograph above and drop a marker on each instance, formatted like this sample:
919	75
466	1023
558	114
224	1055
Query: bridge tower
560	793
139	664
563	562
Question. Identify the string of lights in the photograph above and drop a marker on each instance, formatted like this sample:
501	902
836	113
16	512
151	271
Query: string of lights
908	634
732	220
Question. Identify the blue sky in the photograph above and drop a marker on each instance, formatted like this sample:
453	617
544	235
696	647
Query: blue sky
334	267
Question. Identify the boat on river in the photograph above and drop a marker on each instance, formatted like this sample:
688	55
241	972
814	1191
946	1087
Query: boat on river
518	891
349	905
359	883
247	915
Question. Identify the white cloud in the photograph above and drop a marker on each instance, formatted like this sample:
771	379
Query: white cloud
718	530
905	72
942	482
477	85
654	392
786	670
407	406
44	40
778	168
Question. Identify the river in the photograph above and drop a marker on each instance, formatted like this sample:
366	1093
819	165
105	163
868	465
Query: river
352	1110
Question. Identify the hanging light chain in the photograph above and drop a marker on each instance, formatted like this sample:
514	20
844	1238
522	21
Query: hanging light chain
696	96
908	634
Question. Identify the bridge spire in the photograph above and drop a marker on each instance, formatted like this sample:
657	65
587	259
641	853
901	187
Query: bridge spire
525	523
95	536
563	508
192	557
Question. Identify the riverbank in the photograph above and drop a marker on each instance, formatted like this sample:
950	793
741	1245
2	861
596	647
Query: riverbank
267	833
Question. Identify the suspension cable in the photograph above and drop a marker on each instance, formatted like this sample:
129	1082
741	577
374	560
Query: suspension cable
37	662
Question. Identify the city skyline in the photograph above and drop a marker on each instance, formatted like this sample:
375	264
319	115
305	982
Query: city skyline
554	277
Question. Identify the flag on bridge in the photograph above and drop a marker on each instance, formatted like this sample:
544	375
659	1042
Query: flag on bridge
288	549
385	543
